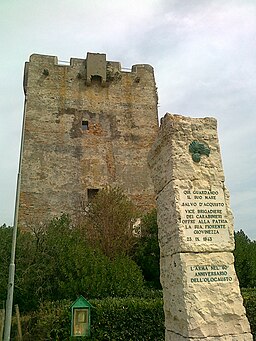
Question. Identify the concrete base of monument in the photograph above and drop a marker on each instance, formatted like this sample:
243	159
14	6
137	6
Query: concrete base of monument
170	336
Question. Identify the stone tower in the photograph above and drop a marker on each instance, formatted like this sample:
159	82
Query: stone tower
88	125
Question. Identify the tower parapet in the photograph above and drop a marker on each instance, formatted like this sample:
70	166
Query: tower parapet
88	124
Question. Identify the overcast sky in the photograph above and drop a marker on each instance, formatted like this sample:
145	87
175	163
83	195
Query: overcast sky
203	53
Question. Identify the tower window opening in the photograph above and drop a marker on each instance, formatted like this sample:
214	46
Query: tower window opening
91	192
96	78
85	125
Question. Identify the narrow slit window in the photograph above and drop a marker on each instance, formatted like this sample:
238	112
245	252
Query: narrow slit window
85	125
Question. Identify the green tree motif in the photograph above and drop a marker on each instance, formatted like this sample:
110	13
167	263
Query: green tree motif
198	149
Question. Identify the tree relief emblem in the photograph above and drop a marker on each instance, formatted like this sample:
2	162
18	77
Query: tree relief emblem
197	149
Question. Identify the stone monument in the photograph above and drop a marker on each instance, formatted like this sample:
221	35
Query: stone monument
202	299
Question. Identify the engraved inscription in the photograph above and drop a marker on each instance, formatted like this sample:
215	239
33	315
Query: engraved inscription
210	273
204	215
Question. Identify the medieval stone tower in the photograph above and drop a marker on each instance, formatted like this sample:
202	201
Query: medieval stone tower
87	125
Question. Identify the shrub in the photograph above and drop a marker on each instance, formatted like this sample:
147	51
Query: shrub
107	222
146	251
57	263
249	296
5	253
50	322
245	260
111	319
127	319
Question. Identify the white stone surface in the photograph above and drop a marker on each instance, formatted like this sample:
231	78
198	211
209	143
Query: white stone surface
180	230
169	158
201	294
170	336
202	299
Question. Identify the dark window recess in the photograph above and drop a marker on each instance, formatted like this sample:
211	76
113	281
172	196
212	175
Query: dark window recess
91	192
96	78
85	125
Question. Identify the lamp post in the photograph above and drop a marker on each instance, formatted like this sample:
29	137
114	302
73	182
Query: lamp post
9	300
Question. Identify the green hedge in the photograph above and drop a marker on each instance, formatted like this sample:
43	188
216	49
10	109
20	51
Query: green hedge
129	319
111	319
249	296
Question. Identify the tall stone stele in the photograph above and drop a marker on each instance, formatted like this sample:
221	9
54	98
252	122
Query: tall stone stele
202	299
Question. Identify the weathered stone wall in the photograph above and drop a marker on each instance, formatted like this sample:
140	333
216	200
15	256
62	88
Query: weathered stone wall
87	125
202	300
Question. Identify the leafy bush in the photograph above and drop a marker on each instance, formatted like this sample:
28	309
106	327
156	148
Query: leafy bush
111	319
245	260
249	296
60	260
127	319
5	253
50	322
146	252
57	263
107	222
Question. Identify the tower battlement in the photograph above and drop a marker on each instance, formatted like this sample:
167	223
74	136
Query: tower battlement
88	124
93	67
